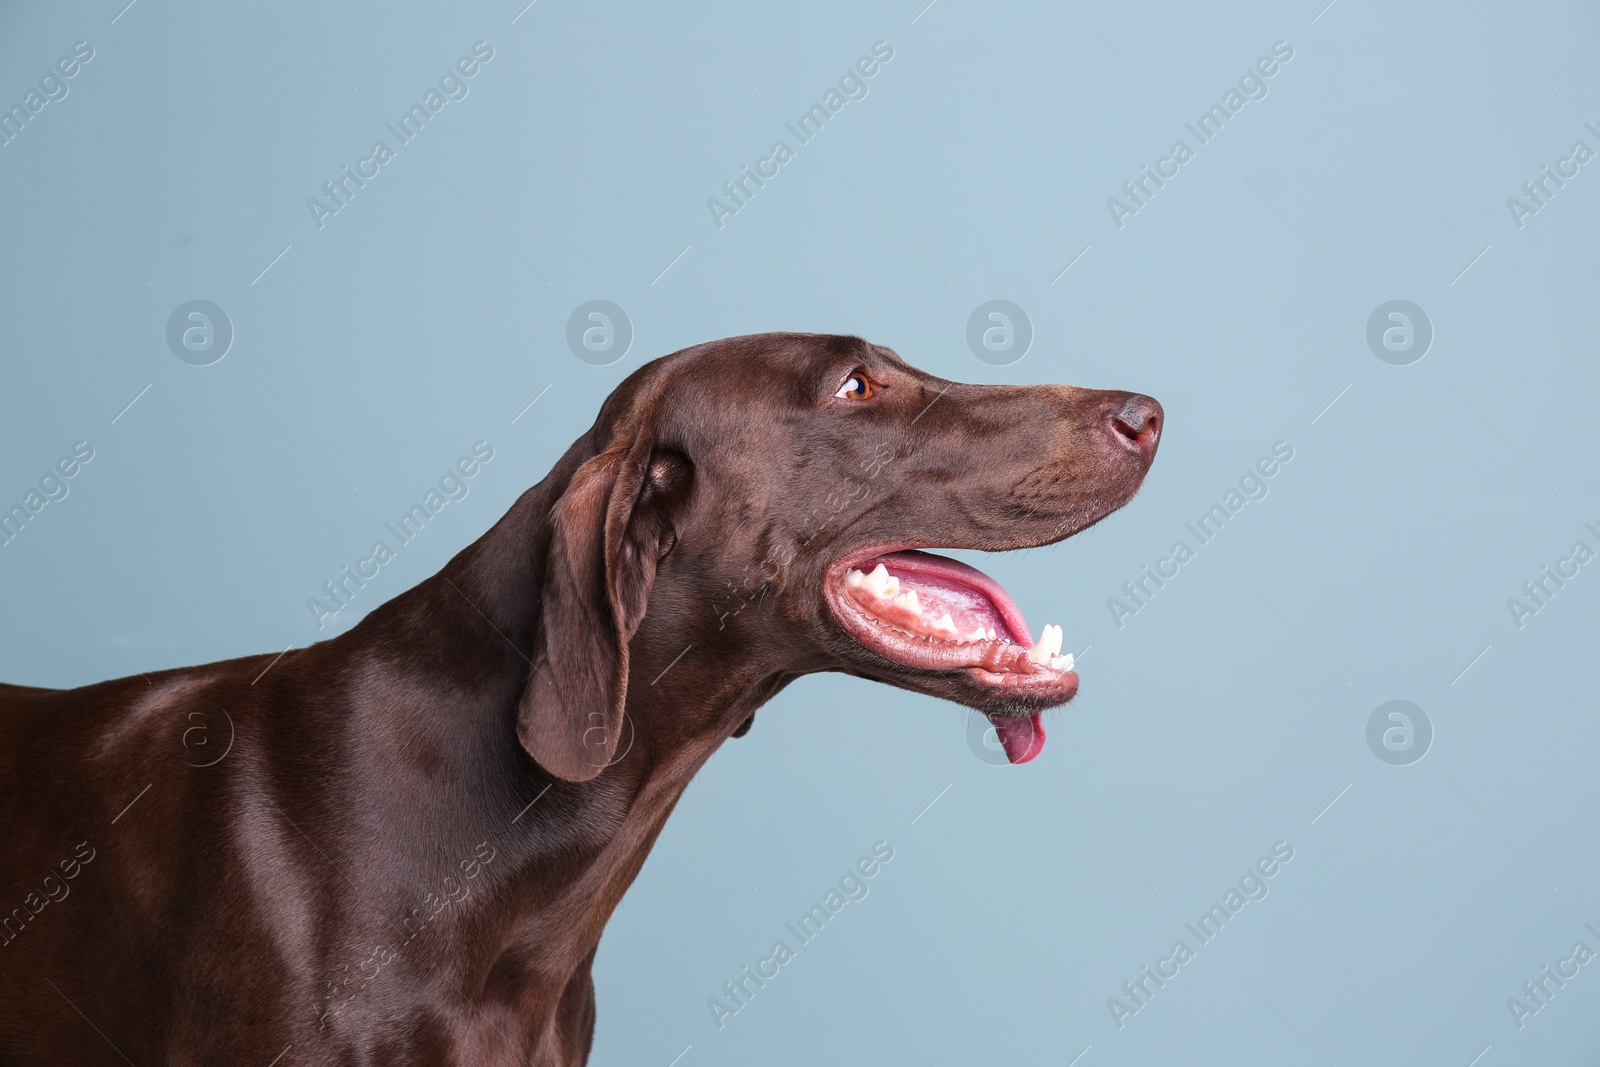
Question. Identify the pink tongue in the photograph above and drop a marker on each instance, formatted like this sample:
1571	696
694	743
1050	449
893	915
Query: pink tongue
1023	739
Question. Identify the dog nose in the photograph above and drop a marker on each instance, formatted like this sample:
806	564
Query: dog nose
1136	422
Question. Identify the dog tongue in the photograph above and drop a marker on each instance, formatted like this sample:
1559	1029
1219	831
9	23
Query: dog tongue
1023	739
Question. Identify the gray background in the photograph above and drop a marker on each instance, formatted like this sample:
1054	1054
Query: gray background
1226	715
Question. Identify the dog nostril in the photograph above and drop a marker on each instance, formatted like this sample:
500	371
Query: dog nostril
1138	421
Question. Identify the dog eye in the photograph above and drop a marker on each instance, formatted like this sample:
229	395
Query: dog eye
855	387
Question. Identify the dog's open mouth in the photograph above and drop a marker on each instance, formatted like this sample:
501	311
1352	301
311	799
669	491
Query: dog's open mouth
933	613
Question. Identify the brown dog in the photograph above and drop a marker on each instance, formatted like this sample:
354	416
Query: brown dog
410	837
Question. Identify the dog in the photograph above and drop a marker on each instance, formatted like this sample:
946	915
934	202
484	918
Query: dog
403	843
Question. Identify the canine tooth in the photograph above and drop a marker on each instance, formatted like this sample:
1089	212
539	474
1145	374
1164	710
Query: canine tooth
946	624
1049	645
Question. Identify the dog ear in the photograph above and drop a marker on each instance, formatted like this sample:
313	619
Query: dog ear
609	530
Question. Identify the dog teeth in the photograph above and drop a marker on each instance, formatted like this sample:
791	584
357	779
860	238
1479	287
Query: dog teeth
880	583
1049	645
885	588
886	584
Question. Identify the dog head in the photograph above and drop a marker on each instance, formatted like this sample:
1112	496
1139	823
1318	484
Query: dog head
763	507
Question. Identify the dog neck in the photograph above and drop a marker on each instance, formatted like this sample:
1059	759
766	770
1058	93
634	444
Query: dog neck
564	853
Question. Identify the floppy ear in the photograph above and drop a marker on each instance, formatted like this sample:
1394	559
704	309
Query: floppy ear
608	532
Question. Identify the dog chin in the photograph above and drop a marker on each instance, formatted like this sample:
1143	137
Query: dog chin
996	701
